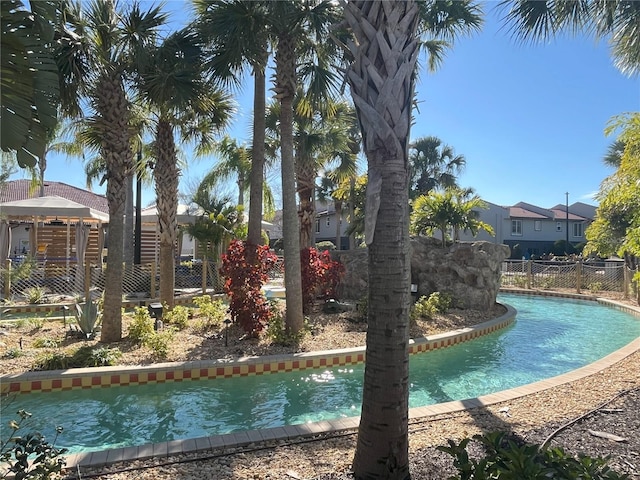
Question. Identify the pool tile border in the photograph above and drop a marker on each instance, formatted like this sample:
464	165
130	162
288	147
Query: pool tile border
105	377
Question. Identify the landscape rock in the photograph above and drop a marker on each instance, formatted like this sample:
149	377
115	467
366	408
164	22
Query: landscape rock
468	271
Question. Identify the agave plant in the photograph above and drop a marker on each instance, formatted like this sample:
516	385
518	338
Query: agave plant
88	317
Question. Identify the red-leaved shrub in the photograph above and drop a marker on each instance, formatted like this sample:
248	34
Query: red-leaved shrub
320	276
247	306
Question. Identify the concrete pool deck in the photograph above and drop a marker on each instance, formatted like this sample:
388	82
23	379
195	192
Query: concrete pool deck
244	438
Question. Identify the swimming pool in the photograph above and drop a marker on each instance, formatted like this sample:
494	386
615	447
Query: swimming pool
550	336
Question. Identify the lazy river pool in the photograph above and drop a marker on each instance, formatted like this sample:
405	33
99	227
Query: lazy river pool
550	336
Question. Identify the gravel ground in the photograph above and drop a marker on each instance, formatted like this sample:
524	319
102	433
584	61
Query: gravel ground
328	457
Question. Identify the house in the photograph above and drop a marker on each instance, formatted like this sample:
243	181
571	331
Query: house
527	229
534	231
328	227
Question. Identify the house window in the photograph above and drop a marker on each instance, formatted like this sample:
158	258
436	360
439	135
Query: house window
537	225
516	227
558	226
577	230
317	225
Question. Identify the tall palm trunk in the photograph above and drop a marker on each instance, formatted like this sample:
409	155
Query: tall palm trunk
128	225
338	208
306	175
166	175
383	101
285	90
256	181
116	152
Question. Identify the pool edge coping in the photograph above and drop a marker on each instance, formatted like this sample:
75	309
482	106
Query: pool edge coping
239	439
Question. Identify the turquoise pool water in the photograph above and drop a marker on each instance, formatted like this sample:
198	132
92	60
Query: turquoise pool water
550	337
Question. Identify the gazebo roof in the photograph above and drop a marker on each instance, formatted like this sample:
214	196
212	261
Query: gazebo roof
49	208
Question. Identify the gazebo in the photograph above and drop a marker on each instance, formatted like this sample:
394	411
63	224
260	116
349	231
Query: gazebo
54	230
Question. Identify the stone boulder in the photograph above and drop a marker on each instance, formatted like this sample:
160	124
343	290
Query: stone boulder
468	271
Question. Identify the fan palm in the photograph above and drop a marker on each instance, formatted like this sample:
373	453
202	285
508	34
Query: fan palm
173	85
296	26
238	34
433	165
235	161
320	140
95	69
614	20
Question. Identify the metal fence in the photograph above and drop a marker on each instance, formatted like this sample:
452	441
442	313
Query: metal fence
60	281
582	277
139	281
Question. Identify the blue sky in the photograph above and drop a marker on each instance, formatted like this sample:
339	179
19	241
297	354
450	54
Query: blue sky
529	119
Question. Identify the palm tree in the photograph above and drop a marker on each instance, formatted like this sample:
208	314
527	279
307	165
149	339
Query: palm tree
173	85
613	157
381	77
615	20
293	24
453	208
320	139
382	449
216	225
467	218
95	69
235	161
433	165
239	35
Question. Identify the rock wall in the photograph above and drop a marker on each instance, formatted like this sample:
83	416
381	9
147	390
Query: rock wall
468	271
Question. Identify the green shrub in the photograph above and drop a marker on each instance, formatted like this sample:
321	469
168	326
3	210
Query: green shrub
159	342
84	357
428	307
511	459
362	306
141	325
326	245
35	295
213	312
595	287
178	317
31	456
520	281
13	353
52	361
277	330
103	357
45	342
35	323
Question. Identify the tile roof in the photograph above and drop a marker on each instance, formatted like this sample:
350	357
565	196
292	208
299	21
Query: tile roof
21	190
561	214
519	212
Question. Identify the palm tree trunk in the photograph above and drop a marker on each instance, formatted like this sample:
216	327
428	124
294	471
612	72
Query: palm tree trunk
306	177
118	158
166	175
128	226
285	89
254	235
352	210
384	109
338	208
